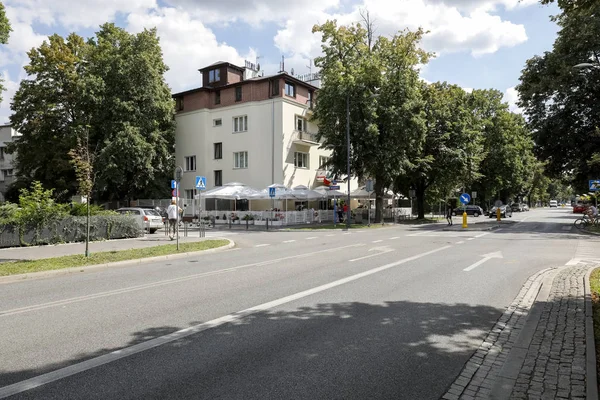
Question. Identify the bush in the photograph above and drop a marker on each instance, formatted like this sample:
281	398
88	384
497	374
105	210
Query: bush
80	210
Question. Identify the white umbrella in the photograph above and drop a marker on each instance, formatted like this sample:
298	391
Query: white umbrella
231	191
281	193
330	194
304	193
361	193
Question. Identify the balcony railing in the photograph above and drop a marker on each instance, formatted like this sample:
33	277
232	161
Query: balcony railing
306	138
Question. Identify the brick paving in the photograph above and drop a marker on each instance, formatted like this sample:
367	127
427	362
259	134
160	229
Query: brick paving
554	366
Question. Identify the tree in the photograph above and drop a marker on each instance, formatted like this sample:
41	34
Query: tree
449	153
561	102
112	84
5	30
355	66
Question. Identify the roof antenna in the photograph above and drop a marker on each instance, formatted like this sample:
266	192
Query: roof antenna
309	66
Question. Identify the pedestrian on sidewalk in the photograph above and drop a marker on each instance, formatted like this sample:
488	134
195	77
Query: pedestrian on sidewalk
449	214
172	211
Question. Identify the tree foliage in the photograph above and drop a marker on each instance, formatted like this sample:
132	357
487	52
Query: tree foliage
5	30
561	102
354	67
110	86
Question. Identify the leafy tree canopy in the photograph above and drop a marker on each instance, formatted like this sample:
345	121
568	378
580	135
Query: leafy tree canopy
110	87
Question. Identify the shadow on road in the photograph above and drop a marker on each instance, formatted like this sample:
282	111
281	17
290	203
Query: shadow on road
401	350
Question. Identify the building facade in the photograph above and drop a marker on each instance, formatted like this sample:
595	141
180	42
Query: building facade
243	127
7	170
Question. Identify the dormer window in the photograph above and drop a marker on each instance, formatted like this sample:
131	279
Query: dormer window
290	89
214	75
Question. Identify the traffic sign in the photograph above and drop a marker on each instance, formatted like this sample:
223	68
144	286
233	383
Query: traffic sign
272	192
412	194
594	184
334	188
174	193
201	182
173	184
465	198
369	186
498	203
474	195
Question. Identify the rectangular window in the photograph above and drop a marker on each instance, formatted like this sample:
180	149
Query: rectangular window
301	124
214	75
310	99
290	89
238	93
190	163
323	163
300	159
219	178
7	172
240	124
218	147
190	193
240	159
2	152
218	97
217	122
275	88
179	103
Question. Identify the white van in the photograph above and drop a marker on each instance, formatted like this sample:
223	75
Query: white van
553	203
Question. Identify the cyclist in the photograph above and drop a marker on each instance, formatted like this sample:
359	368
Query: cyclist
592	212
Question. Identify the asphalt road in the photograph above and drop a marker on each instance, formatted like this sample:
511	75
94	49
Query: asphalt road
375	313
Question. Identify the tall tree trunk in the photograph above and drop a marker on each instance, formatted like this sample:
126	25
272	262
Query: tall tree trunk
420	193
378	187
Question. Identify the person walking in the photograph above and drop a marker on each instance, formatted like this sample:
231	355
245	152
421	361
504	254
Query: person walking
449	214
172	211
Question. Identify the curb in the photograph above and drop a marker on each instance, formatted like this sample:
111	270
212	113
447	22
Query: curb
591	378
64	271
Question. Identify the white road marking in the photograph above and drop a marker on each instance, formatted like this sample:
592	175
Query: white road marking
311	238
62	373
289	241
471	238
262	245
71	300
420	233
461	242
486	257
482	235
371	255
394	238
329	235
377	241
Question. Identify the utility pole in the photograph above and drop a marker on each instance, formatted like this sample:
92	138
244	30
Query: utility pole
348	214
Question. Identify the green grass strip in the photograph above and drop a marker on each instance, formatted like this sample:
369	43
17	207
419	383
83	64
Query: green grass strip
79	260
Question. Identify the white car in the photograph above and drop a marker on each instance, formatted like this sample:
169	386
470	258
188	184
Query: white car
553	203
149	220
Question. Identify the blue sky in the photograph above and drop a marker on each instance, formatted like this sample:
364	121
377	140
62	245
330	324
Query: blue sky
481	43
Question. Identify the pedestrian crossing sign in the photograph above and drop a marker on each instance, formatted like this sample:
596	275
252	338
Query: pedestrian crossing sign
201	182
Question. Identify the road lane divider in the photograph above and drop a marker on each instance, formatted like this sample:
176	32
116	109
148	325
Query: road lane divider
113	356
108	293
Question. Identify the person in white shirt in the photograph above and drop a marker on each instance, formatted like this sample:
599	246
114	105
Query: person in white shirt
593	212
172	215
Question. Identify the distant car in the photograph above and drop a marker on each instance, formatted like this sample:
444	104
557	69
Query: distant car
505	212
148	219
473	210
553	203
517	207
525	207
579	208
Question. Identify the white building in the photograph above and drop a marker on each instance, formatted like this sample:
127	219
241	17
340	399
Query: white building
7	171
243	127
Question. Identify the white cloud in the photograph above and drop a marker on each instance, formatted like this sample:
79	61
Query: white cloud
11	87
511	96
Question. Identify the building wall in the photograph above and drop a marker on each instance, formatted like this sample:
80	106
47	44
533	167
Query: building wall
7	171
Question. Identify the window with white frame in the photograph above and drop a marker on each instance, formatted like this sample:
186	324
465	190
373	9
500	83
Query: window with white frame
301	124
190	163
323	163
214	75
240	159
300	159
217	122
240	124
190	193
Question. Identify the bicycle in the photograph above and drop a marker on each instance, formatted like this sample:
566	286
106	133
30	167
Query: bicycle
585	221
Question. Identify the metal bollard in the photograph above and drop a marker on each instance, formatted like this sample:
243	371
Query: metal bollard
246	223
267	223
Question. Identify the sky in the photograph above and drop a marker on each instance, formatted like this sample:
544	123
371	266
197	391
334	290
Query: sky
478	43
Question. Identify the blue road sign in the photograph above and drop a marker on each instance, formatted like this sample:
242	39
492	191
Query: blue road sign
173	184
334	188
271	192
594	184
201	182
465	198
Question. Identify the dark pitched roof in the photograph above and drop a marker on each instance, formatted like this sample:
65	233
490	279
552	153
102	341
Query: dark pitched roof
219	63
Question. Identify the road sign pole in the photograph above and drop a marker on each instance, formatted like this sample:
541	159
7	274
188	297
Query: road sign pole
177	223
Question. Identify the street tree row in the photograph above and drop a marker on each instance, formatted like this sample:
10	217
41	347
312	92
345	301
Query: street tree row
406	134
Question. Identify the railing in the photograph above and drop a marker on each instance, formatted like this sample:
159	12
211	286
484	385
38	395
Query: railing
306	136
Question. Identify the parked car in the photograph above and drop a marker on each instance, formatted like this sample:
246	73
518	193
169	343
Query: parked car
525	207
517	207
473	210
148	219
579	208
505	212
160	210
553	203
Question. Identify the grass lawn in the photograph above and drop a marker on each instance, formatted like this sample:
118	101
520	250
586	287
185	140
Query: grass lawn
595	287
47	264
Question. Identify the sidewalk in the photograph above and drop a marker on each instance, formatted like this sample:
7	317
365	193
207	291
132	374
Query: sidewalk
37	252
541	348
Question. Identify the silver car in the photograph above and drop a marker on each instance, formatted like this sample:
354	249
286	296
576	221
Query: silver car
149	220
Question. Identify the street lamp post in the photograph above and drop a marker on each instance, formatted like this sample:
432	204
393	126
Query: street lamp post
348	214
